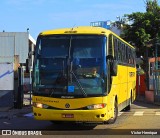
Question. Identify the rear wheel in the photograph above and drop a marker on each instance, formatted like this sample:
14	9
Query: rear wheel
113	119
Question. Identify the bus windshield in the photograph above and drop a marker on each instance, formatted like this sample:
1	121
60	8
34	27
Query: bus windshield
70	65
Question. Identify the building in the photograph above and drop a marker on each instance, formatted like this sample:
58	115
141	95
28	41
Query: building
154	80
108	25
14	50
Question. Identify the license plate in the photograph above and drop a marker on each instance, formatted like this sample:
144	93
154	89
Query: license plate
67	115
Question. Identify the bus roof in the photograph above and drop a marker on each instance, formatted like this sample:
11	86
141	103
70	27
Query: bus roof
76	30
82	30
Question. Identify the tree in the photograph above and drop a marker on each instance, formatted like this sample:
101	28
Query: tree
143	32
144	28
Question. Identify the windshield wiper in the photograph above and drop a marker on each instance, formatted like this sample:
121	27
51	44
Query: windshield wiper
70	64
79	84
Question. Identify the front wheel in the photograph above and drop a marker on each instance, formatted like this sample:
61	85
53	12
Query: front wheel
113	119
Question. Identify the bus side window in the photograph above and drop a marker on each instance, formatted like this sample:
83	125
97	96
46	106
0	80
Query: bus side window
122	51
134	57
129	56
115	49
110	45
119	51
125	54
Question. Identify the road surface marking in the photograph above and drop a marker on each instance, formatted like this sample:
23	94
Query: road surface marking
6	123
157	113
29	115
140	113
120	113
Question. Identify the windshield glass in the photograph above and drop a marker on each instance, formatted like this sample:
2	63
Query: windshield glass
68	65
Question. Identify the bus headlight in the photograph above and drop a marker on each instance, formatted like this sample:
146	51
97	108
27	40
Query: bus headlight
96	106
40	105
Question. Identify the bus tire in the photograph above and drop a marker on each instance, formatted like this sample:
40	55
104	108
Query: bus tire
112	120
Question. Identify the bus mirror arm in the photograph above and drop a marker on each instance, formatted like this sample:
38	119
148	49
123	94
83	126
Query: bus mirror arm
31	53
109	57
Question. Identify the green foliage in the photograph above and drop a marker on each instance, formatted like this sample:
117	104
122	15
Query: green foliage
143	27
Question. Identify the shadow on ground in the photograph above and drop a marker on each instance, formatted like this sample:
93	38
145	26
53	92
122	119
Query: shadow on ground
141	102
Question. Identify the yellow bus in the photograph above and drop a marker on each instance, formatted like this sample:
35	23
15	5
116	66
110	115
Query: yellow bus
82	74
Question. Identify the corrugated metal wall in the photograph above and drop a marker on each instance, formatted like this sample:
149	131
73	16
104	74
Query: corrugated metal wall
14	43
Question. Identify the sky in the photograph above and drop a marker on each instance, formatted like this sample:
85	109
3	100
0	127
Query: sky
40	15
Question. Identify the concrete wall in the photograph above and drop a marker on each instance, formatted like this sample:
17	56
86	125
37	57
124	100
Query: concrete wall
14	43
6	85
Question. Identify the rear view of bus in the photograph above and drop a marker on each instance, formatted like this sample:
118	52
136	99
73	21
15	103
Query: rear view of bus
71	77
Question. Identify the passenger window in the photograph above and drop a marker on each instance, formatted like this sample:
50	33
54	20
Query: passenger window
110	52
115	49
129	56
119	51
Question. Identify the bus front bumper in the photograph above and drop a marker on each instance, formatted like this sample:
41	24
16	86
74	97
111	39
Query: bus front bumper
99	115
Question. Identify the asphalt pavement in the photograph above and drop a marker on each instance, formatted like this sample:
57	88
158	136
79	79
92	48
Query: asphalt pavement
9	113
